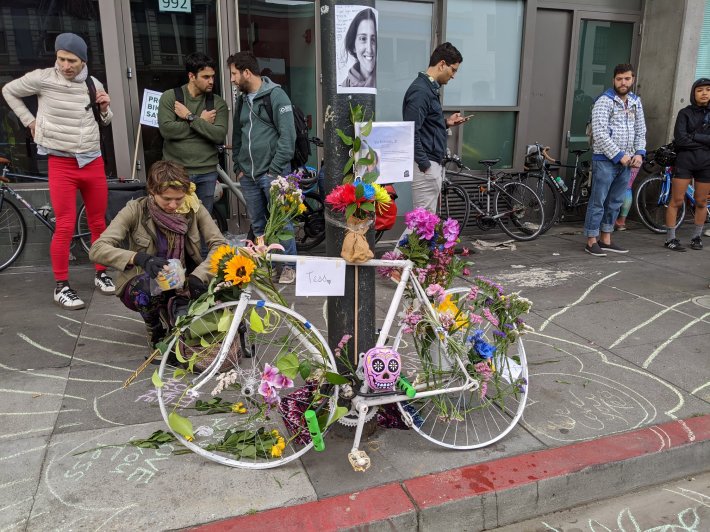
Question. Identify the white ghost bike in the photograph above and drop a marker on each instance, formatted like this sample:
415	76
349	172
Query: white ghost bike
275	377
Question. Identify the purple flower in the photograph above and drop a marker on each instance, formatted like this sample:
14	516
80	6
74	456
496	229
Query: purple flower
422	221
451	232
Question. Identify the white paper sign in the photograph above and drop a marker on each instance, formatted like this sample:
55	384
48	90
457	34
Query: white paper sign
175	6
393	143
320	277
149	108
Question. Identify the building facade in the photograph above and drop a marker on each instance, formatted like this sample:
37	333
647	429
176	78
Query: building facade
531	68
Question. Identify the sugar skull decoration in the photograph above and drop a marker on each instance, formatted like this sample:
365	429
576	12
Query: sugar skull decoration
382	366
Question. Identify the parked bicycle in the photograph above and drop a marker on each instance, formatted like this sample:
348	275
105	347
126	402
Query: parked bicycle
558	198
434	377
497	200
13	228
653	192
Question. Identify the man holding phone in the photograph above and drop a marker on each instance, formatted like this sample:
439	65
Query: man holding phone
421	105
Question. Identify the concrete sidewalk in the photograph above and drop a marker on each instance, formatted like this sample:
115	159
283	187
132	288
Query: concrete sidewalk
619	360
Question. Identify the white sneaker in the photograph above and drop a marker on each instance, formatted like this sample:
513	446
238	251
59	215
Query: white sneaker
707	232
105	284
288	275
68	299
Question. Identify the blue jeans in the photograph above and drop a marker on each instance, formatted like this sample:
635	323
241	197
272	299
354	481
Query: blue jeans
609	182
204	188
256	194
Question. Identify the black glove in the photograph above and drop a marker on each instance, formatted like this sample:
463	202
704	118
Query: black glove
197	287
150	263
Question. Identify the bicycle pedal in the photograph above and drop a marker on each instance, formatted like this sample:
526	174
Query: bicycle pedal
359	460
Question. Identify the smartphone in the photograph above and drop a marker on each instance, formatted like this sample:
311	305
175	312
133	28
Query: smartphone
468	117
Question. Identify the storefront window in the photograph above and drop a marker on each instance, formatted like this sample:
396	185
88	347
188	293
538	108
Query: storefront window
28	29
488	33
703	66
403	50
489	135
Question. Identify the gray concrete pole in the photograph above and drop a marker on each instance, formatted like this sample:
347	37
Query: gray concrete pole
355	313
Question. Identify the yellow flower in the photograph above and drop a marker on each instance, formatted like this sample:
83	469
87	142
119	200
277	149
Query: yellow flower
281	443
218	255
238	408
238	270
449	306
275	433
301	208
276	451
381	195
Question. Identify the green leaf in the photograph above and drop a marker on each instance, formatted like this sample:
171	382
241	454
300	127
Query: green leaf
225	320
339	412
348	178
362	161
157	382
304	369
178	373
359	190
200	308
255	322
335	378
366	129
181	425
345	138
178	353
248	452
348	166
367	206
288	365
205	343
285	235
357	143
350	210
370	177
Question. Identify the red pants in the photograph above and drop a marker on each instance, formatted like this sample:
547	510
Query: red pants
65	177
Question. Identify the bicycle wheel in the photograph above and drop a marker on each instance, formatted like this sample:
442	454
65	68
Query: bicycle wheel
467	418
548	194
309	226
519	211
649	207
13	232
455	204
257	392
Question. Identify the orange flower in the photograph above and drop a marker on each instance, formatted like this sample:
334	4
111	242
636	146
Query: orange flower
238	270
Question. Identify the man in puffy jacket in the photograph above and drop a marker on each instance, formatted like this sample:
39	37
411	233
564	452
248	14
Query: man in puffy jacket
66	129
261	149
619	144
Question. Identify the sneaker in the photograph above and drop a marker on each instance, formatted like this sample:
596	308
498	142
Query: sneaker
288	275
707	232
68	299
674	245
696	243
595	250
619	227
612	247
105	284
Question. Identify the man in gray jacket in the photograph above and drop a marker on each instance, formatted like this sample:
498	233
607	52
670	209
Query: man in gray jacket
619	144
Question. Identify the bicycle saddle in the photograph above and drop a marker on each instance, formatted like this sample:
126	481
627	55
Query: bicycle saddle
579	152
489	162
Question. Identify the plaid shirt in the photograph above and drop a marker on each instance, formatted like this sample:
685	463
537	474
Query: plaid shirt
618	128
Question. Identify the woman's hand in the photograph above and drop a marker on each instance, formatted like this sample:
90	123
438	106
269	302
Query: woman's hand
150	263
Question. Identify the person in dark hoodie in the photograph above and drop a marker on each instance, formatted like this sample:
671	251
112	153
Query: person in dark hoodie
262	149
692	140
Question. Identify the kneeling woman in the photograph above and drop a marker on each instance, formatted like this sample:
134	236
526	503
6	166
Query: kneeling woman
168	224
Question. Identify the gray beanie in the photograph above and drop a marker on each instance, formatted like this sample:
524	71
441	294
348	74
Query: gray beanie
71	42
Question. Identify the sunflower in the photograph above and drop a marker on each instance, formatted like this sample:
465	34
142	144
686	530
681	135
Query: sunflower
218	255
238	270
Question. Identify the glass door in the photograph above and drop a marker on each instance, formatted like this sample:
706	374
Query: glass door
161	41
282	35
601	45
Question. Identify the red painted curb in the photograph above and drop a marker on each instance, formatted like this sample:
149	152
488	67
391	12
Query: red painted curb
342	511
389	501
506	473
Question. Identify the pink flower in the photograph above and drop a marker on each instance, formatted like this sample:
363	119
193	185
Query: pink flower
270	374
271	396
490	317
451	230
260	249
422	221
466	272
436	291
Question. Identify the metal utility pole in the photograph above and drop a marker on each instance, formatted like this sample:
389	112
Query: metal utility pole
355	313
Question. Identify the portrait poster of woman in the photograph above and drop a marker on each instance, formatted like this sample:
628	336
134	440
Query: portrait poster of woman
356	42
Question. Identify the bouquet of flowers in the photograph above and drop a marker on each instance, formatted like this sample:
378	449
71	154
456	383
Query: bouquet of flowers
430	245
359	201
286	202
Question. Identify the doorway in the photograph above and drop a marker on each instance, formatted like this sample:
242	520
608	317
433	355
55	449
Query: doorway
589	45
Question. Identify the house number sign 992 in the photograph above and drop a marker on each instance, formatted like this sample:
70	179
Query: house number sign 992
179	6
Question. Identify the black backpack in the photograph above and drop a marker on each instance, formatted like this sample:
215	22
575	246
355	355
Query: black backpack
302	149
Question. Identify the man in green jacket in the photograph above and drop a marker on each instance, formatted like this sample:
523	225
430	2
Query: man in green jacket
191	131
262	148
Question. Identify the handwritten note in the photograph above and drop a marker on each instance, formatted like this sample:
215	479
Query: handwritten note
149	108
320	277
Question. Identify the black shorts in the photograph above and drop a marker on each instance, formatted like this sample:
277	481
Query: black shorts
701	175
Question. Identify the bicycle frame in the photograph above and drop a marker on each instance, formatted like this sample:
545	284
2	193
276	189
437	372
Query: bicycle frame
665	194
5	188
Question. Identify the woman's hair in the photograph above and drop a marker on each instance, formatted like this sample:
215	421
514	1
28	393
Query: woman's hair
167	174
365	14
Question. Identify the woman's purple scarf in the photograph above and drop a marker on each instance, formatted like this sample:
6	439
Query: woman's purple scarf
173	226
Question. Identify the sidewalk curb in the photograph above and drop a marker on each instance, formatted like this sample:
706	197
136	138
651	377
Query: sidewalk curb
504	491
